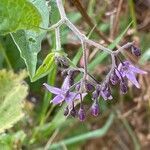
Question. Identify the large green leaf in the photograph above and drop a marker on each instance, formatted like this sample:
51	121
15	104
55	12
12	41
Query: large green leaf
29	42
12	93
18	14
47	65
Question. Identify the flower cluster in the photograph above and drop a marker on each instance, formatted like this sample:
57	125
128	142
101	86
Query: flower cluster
74	93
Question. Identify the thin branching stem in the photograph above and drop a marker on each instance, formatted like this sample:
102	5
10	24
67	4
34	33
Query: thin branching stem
84	40
58	41
85	59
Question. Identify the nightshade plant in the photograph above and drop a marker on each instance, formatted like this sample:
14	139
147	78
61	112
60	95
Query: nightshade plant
74	93
26	22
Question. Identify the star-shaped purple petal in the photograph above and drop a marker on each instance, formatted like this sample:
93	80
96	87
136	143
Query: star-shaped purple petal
126	69
62	94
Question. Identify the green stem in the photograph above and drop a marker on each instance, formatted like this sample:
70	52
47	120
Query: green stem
89	135
130	131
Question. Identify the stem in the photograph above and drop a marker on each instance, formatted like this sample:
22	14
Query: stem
61	8
93	78
97	45
112	68
58	41
121	49
85	59
130	131
58	24
84	40
81	36
89	135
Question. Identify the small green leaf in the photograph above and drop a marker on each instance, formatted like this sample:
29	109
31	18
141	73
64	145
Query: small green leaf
18	14
12	92
47	65
29	42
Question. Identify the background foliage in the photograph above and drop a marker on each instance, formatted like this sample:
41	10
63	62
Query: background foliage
27	119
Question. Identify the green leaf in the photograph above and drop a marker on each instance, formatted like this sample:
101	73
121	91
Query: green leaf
47	65
29	42
18	14
55	16
12	93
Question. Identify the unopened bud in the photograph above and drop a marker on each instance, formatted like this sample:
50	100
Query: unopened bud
95	109
136	51
95	95
89	86
114	78
81	114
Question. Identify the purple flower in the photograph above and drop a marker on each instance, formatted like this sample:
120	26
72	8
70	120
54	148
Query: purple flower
136	51
81	114
114	78
128	70
63	94
95	109
106	92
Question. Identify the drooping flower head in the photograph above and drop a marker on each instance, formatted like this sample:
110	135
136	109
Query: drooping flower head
62	94
106	92
129	71
114	79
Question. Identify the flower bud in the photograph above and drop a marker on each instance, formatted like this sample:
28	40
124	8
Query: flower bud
123	87
114	78
95	109
81	114
95	95
136	51
106	92
89	86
